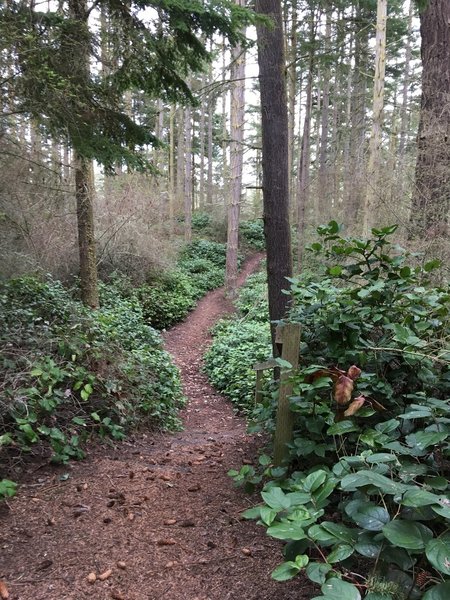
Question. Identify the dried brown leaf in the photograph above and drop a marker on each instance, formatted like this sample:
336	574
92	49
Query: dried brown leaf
354	372
343	390
355	406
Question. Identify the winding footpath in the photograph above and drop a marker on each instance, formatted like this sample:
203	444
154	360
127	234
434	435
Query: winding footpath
155	517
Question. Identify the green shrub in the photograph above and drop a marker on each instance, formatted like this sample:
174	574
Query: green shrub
69	372
167	300
212	251
252	234
204	275
371	448
252	302
238	344
228	362
200	221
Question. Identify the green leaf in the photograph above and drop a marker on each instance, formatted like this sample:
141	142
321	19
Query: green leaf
36	372
268	515
314	480
418	497
318	534
286	531
5	439
296	498
336	589
276	499
364	477
436	483
335	271
342	427
317	572
340	531
438	592
432	264
443	508
424	439
333	227
252	513
368	516
381	457
367	546
407	534
438	553
302	560
8	488
284	364
405	272
285	571
340	553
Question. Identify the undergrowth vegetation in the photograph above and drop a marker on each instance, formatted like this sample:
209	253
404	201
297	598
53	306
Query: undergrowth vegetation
69	372
167	298
364	504
239	342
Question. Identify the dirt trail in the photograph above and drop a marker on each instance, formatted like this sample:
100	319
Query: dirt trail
158	511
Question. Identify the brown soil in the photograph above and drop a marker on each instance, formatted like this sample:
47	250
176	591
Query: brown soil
157	515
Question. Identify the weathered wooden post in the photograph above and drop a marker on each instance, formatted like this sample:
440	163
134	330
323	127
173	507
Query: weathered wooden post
289	336
259	368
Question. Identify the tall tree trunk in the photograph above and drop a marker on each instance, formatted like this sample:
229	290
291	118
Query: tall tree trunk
372	200
83	168
188	174
431	199
237	108
202	137
224	128
172	177
291	73
404	115
324	191
84	190
303	169
180	160
209	186
274	121
354	179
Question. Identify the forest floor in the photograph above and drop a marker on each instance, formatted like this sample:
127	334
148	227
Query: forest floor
154	517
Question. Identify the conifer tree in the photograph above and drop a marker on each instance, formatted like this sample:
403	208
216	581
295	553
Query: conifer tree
59	84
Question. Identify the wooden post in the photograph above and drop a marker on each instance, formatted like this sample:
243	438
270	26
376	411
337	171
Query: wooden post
258	389
259	368
285	418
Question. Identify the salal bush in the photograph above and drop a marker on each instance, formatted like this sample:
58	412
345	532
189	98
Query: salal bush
168	297
252	234
68	372
364	505
238	343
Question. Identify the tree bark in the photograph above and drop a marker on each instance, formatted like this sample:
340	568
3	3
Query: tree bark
275	154
237	108
354	188
84	190
431	199
324	189
372	199
404	118
188	174
83	167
